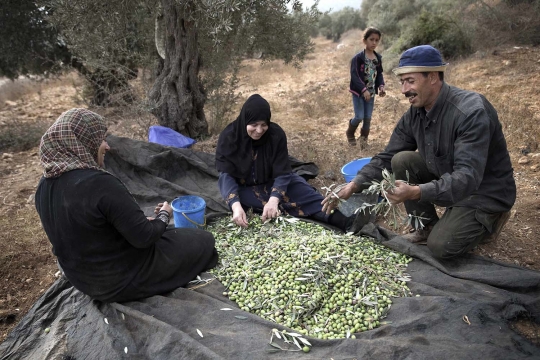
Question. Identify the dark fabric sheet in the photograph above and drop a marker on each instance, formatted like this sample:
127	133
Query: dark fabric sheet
431	326
154	173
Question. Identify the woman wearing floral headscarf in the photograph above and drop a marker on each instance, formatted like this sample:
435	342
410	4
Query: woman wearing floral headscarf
106	246
253	162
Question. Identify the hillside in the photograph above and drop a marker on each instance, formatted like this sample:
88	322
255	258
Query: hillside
313	105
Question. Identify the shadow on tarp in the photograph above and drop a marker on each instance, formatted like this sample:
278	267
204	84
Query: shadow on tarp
430	326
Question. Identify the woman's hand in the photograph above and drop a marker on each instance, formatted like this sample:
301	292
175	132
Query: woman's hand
163	206
239	215
366	95
331	202
270	210
382	93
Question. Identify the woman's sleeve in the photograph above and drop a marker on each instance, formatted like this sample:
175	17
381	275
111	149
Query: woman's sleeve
122	211
228	187
280	186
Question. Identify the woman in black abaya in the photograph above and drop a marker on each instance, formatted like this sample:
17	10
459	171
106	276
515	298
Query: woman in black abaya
105	245
253	162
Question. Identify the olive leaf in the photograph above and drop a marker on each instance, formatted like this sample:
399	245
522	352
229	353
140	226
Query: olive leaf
276	346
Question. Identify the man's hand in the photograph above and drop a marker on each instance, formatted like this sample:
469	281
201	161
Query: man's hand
331	202
270	210
402	192
239	215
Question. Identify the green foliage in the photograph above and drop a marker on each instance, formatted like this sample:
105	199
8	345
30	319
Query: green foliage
365	8
222	96
325	26
453	26
397	19
29	44
442	32
108	46
507	22
278	33
333	25
263	28
117	34
389	15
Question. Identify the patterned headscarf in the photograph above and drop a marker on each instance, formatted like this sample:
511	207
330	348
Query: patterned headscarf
72	142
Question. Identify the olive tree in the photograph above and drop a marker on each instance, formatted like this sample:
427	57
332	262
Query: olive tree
29	44
192	36
109	41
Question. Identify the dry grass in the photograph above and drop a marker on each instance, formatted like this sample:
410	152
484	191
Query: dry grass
505	77
29	108
13	90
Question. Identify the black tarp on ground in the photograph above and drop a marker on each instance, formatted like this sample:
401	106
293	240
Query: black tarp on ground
165	327
154	173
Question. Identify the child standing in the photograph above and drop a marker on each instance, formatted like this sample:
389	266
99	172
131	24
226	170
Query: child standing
366	81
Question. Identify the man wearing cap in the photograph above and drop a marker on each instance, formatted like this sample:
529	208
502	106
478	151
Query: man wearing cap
451	146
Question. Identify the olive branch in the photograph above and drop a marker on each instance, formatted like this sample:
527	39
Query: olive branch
383	207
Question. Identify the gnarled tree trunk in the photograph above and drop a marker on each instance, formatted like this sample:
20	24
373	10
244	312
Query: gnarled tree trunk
177	94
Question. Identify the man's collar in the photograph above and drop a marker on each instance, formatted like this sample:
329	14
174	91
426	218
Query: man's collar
433	113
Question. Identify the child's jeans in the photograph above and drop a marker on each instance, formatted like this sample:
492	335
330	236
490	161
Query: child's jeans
362	111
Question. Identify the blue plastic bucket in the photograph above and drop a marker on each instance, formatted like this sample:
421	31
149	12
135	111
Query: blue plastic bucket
188	212
350	170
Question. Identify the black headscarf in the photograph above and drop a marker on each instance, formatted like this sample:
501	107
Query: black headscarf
234	148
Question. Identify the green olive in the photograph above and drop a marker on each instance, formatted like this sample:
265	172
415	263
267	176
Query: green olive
308	278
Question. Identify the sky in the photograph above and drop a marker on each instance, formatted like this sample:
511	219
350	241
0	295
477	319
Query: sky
335	5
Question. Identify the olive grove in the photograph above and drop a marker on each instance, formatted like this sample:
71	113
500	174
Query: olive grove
199	45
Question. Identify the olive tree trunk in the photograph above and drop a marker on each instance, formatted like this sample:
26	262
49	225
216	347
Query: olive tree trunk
177	94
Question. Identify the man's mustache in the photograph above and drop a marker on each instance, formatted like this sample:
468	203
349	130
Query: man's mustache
409	94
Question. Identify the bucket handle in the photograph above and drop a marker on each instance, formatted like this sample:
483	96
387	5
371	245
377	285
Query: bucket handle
193	222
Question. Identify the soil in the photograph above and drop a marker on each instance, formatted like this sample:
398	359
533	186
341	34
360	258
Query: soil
313	105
